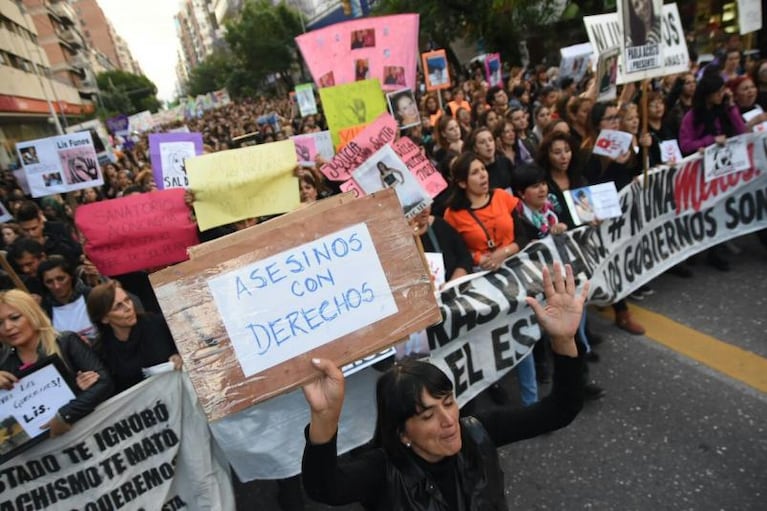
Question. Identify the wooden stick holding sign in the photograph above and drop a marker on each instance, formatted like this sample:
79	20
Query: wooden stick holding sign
248	317
645	149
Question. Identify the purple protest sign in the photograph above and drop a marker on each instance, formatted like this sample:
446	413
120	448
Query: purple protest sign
168	152
118	125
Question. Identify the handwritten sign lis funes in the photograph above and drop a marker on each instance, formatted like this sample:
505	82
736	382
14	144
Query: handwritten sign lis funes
302	298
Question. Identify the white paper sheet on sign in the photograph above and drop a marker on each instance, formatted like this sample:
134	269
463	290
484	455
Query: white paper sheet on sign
292	302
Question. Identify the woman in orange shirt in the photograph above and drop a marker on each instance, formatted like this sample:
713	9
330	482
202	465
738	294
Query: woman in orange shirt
482	215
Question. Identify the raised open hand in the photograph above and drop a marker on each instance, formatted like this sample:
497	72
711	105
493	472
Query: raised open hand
563	310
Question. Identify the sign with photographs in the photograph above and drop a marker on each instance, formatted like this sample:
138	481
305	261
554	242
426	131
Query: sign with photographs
435	70
60	164
383	47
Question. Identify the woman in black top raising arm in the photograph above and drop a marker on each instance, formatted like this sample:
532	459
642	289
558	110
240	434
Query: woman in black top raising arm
426	458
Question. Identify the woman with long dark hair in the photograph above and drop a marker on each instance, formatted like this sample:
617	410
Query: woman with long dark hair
713	117
425	456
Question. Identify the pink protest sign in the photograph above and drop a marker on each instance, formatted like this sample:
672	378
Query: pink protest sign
384	47
352	186
137	232
415	160
377	134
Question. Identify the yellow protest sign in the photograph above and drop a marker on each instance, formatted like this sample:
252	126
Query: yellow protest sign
351	104
243	183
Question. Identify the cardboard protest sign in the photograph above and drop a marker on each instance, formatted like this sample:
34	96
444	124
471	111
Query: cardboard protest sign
383	47
30	404
310	145
375	135
607	74
749	16
104	149
385	169
351	105
305	99
404	108
721	160
435	70
753	113
493	69
606	31
590	203
168	153
146	448
60	164
352	282
243	183
575	60
137	232
612	143
119	125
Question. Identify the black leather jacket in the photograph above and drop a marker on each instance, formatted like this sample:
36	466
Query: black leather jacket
478	478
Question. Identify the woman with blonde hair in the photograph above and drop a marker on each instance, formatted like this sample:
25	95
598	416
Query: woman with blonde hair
29	334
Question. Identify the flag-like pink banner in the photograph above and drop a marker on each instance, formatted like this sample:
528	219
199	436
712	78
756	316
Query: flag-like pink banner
137	232
384	47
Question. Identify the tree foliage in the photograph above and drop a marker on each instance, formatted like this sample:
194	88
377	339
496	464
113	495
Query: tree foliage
497	25
211	74
262	43
127	93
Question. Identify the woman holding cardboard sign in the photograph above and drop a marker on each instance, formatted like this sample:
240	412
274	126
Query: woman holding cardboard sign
28	331
425	456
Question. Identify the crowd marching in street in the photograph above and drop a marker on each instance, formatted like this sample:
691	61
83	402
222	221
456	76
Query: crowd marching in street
508	152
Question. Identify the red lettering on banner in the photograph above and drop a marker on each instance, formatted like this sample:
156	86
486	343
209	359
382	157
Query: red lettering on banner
691	190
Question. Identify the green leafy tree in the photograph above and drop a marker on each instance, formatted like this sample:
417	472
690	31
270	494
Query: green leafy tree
213	73
127	93
262	43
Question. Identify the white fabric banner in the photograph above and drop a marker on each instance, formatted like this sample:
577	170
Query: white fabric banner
487	325
146	448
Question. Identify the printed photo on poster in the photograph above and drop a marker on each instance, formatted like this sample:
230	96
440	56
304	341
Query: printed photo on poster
60	164
435	70
394	75
607	74
311	145
361	69
590	203
385	169
29	155
404	108
304	94
641	34
327	80
79	164
365	38
493	70
728	158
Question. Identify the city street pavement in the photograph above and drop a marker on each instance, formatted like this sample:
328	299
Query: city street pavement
672	433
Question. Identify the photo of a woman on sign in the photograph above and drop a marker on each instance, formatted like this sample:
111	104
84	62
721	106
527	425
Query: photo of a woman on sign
436	67
404	108
642	22
361	69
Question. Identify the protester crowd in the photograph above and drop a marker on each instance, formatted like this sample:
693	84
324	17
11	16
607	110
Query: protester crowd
507	152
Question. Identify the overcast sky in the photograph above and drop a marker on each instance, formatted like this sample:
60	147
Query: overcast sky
148	27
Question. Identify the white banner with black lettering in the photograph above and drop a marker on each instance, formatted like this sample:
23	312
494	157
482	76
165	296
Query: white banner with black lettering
487	325
147	448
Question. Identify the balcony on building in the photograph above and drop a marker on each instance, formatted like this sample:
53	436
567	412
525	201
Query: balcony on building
63	12
71	37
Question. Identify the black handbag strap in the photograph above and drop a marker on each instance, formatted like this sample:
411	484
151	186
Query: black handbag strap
490	242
